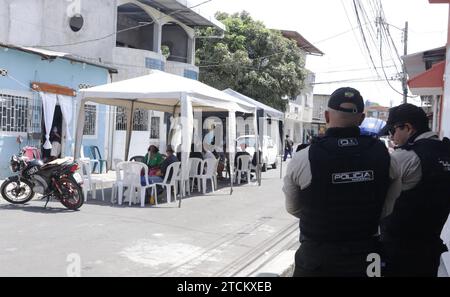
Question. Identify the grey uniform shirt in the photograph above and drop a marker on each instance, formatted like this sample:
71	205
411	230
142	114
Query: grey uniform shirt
405	172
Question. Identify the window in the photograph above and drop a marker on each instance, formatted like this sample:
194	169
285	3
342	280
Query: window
15	113
121	119
154	130
90	114
140	122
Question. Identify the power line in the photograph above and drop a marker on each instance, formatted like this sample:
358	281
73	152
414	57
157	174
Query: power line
364	38
356	80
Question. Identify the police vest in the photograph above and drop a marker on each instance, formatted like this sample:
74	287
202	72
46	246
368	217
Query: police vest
419	214
350	178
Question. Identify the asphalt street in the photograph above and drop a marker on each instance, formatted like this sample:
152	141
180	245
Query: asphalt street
210	235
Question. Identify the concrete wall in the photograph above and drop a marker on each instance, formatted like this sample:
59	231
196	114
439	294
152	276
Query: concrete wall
46	23
181	69
26	68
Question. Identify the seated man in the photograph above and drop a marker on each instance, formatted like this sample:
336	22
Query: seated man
159	176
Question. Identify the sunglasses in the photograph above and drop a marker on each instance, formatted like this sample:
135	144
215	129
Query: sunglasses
394	128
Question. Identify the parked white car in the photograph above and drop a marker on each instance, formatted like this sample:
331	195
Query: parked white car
269	149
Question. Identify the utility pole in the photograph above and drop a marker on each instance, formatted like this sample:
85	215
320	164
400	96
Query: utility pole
405	52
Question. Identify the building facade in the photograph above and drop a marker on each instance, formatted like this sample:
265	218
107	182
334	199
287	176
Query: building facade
28	75
131	36
299	113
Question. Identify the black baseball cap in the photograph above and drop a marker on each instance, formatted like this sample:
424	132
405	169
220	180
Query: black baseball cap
406	113
346	95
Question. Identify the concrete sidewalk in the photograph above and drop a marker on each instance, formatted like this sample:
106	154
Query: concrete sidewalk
246	234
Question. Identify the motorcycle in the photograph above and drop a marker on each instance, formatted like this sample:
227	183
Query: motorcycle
57	179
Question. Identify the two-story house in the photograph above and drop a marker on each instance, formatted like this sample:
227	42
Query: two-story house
299	112
132	36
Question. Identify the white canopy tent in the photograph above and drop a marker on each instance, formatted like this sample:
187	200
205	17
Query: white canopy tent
264	112
161	91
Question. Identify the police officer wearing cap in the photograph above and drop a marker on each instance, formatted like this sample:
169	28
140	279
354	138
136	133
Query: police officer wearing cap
337	188
418	201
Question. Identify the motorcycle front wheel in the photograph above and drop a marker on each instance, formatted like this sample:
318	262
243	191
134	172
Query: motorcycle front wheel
16	193
72	195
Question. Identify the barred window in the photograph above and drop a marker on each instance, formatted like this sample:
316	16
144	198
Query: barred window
121	119
154	130
90	112
15	113
140	122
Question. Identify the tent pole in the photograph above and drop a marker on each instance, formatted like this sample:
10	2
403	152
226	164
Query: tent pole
186	132
79	131
130	121
231	145
258	165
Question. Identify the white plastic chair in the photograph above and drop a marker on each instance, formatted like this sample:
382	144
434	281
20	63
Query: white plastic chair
243	163
90	182
184	185
210	173
132	172
116	161
119	183
173	170
91	161
196	167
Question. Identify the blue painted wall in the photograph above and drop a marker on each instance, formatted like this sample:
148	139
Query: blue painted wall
26	68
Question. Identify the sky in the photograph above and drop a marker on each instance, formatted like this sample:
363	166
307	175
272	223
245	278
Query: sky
328	25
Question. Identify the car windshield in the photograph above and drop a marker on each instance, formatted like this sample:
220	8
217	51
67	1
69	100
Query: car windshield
249	141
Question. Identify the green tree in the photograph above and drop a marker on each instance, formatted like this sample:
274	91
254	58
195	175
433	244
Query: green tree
251	59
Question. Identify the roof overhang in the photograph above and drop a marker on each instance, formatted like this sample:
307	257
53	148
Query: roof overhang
416	63
302	43
439	1
50	55
429	82
186	12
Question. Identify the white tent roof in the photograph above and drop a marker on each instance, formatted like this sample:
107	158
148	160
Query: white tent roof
267	109
162	91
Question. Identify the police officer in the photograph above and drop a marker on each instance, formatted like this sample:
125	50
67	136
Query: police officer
418	201
337	187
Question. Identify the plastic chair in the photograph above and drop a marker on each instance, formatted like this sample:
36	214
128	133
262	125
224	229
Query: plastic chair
210	173
243	166
90	182
87	156
137	159
97	156
116	161
173	171
132	171
196	167
119	182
